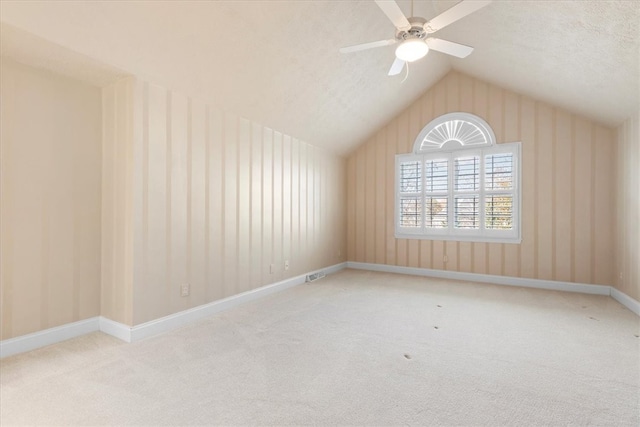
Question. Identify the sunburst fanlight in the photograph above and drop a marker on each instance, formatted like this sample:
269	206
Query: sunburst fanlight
460	129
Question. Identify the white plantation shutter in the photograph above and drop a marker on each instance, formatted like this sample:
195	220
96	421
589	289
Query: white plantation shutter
466	192
499	185
470	195
436	193
410	182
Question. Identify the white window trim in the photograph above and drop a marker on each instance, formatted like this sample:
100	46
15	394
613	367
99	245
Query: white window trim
451	233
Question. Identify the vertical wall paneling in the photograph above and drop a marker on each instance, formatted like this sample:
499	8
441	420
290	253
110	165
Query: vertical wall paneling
404	146
360	187
286	199
529	244
302	198
370	205
197	188
295	207
567	185
244	206
186	194
426	246
231	123
414	128
216	207
140	183
177	207
218	201
510	123
389	190
277	205
319	161
628	207
157	197
108	201
311	186
495	258
267	205
310	198
117	202
603	209
380	228
256	207
544	193
582	195
563	170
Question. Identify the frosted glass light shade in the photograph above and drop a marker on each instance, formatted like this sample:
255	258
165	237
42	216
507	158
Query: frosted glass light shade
412	50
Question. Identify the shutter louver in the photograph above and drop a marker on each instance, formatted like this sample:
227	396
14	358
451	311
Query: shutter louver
466	189
498	212
436	193
498	181
410	194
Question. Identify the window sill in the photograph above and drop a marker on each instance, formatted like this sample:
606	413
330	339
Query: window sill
475	239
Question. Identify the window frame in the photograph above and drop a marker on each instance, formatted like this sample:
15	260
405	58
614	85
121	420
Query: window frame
451	233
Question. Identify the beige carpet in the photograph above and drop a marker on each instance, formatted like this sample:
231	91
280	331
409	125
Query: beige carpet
353	348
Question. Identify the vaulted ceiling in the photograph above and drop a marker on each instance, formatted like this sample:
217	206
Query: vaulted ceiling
277	62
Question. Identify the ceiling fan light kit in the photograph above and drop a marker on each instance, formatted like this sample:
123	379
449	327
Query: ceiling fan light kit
414	33
412	50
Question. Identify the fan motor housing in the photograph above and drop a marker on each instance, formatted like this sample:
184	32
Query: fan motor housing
415	32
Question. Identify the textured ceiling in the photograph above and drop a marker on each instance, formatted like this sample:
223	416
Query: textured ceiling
278	62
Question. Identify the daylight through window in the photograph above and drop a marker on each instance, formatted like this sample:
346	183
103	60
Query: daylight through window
448	191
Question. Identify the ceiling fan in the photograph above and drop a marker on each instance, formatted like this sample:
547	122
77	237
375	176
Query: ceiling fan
414	33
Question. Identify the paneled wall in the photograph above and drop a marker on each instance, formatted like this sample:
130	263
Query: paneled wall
50	163
628	233
568	195
216	201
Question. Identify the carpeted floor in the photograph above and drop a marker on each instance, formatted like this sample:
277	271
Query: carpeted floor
355	348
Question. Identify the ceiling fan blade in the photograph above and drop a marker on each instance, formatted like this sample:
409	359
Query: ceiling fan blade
363	46
396	67
450	48
457	12
393	12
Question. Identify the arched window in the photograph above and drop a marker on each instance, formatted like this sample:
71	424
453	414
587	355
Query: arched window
458	184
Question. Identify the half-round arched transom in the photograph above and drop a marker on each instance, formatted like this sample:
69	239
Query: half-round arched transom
454	131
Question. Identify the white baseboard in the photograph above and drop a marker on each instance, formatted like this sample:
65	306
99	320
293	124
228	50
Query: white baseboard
115	329
583	288
625	300
46	337
485	278
135	333
176	320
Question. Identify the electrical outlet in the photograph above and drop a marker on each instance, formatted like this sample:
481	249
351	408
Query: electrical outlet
272	268
446	259
184	290
286	264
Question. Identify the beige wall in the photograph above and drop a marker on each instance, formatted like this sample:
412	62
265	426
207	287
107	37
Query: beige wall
192	194
568	179
116	299
215	199
50	200
628	206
